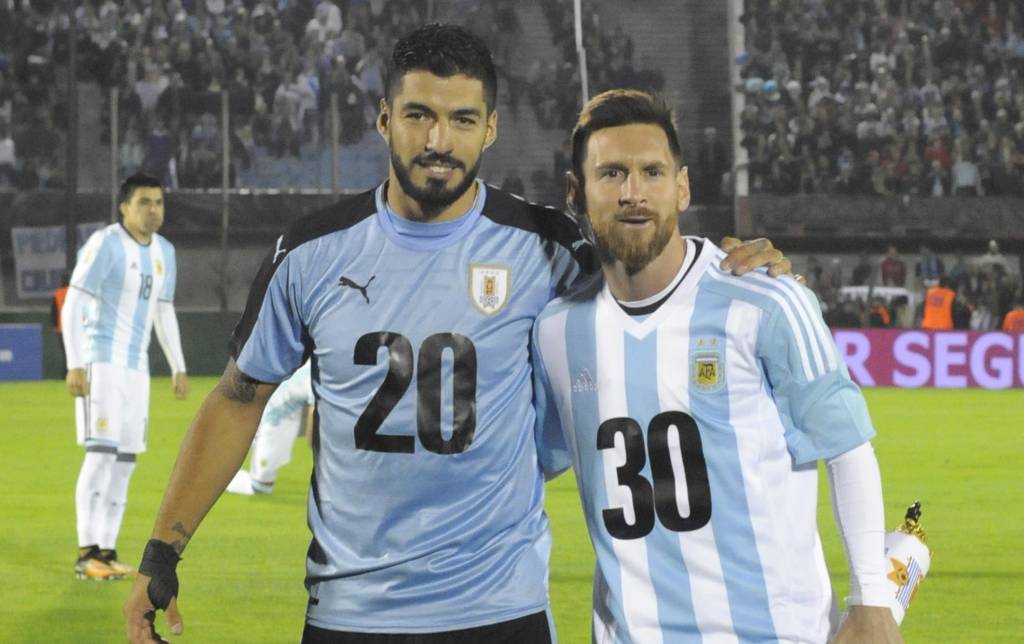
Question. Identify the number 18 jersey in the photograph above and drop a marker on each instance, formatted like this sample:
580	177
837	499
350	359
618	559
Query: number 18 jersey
426	496
125	279
693	425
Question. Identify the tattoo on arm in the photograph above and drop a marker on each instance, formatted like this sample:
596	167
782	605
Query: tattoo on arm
237	386
179	544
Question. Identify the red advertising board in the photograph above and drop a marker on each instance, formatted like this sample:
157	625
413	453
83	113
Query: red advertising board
945	359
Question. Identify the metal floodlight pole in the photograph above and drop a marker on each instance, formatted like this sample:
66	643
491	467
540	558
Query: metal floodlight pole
581	52
71	158
115	118
335	169
225	213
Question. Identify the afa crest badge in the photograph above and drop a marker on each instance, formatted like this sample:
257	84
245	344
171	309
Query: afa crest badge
708	372
489	287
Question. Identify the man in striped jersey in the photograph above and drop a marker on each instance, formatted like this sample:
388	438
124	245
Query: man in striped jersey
122	286
694	406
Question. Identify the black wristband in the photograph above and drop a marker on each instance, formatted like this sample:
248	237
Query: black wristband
159	562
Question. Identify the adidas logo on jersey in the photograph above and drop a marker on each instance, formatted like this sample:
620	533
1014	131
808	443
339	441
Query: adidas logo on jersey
584	382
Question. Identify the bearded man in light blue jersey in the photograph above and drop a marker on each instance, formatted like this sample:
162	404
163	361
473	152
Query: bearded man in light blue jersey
414	303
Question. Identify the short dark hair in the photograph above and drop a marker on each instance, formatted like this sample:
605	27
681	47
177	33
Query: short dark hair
621	107
442	50
137	180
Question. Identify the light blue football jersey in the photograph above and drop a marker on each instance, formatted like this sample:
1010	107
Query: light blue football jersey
426	496
125	279
694	427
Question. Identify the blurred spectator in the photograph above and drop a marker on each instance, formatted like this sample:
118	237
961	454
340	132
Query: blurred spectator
962	310
960	276
893	268
326	23
878	314
929	268
153	83
844	314
993	258
936	181
862	272
160	154
813	272
832	279
938	307
966	177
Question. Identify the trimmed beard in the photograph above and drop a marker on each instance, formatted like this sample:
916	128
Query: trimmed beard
433	198
633	251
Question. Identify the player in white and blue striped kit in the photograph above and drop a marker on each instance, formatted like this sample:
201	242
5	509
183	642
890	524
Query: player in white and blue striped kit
122	286
694	406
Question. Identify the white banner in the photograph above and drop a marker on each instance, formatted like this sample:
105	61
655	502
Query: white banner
39	257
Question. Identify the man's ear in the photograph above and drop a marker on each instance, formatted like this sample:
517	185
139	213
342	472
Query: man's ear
383	119
492	129
572	194
683	182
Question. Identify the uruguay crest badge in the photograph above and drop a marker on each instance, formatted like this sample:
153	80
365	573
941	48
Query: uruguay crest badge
489	287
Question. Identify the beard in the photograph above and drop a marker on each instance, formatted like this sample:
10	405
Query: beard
435	196
634	249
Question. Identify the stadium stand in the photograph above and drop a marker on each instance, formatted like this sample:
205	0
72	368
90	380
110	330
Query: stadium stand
857	113
884	97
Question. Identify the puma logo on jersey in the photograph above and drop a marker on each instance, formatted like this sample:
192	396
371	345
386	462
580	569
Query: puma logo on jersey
584	382
279	251
344	281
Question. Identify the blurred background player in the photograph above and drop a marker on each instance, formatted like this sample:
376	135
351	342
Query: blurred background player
122	286
696	405
282	419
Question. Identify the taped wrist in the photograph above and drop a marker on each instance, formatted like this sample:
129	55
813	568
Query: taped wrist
159	562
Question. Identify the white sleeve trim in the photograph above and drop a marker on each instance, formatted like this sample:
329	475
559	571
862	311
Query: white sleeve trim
167	333
856	485
72	322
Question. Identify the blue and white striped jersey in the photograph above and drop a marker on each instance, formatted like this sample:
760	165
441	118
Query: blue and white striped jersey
125	279
694	430
426	499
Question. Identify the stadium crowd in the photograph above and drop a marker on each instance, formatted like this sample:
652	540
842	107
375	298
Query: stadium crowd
887	292
279	61
884	97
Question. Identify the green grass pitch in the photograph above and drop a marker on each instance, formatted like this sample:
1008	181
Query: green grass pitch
959	452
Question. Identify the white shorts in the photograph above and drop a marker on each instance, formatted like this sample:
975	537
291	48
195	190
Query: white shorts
116	411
